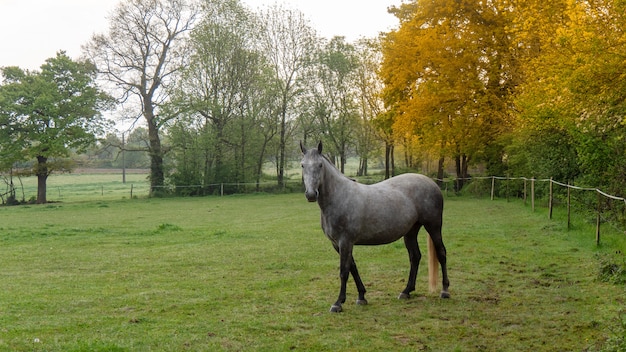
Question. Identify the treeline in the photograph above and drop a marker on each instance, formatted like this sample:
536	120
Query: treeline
528	88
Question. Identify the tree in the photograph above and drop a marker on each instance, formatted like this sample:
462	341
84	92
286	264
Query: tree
575	89
369	100
217	86
48	114
287	40
449	77
139	56
333	95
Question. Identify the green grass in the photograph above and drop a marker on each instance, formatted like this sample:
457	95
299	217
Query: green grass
255	272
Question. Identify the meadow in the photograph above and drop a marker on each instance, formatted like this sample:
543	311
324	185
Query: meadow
255	272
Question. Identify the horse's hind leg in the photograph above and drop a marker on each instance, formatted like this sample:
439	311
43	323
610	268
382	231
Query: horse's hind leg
435	234
410	241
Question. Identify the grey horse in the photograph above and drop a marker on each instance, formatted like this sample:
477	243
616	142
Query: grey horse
358	214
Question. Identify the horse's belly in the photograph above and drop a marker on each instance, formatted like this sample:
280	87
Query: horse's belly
378	225
383	234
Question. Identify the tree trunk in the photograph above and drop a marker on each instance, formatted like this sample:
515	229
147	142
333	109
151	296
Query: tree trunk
362	167
42	177
459	177
157	177
393	161
440	174
281	151
387	149
461	162
259	166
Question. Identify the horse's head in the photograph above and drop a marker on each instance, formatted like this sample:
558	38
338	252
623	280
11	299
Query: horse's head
312	171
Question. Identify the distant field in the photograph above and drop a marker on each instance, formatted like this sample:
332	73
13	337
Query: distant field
88	184
255	273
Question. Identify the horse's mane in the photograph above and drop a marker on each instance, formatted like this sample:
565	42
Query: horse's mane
335	166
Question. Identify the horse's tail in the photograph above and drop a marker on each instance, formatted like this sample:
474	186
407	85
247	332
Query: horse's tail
433	266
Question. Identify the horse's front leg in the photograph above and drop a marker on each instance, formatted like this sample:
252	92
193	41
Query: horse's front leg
345	267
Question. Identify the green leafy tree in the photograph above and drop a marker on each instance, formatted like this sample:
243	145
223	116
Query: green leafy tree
287	41
225	101
333	96
47	114
369	100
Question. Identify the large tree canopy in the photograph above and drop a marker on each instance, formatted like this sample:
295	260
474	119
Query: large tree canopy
448	75
45	115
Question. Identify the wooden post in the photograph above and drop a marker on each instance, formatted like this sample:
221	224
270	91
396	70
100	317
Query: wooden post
532	193
550	202
569	202
221	189
525	191
493	184
131	191
598	222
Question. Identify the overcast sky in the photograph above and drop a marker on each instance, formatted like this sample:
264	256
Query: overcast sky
34	30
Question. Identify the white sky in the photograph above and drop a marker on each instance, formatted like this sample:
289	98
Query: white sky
32	31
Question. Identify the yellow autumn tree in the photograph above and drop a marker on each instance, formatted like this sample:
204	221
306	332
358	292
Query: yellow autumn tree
539	123
571	105
449	75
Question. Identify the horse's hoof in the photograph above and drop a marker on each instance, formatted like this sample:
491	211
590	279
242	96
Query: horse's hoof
404	296
361	302
335	308
445	294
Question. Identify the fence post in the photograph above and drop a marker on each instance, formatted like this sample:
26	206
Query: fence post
532	193
598	222
550	202
525	190
131	191
569	222
221	189
493	183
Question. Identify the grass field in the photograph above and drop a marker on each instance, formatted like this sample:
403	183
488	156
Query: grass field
255	272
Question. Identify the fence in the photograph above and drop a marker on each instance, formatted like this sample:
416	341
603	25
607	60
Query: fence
104	187
224	188
89	187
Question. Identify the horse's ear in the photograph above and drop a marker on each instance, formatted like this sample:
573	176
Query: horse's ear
302	148
319	147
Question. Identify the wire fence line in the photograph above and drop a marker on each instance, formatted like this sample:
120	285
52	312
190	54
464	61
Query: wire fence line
601	208
499	185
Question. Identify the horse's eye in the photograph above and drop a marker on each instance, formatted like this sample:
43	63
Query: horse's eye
302	166
320	165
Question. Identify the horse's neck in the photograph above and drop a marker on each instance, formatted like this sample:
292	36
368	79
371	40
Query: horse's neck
334	184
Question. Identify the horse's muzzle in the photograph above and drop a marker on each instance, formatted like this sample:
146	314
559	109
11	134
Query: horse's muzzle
311	196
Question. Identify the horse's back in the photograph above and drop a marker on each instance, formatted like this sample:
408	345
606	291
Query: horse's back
423	192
